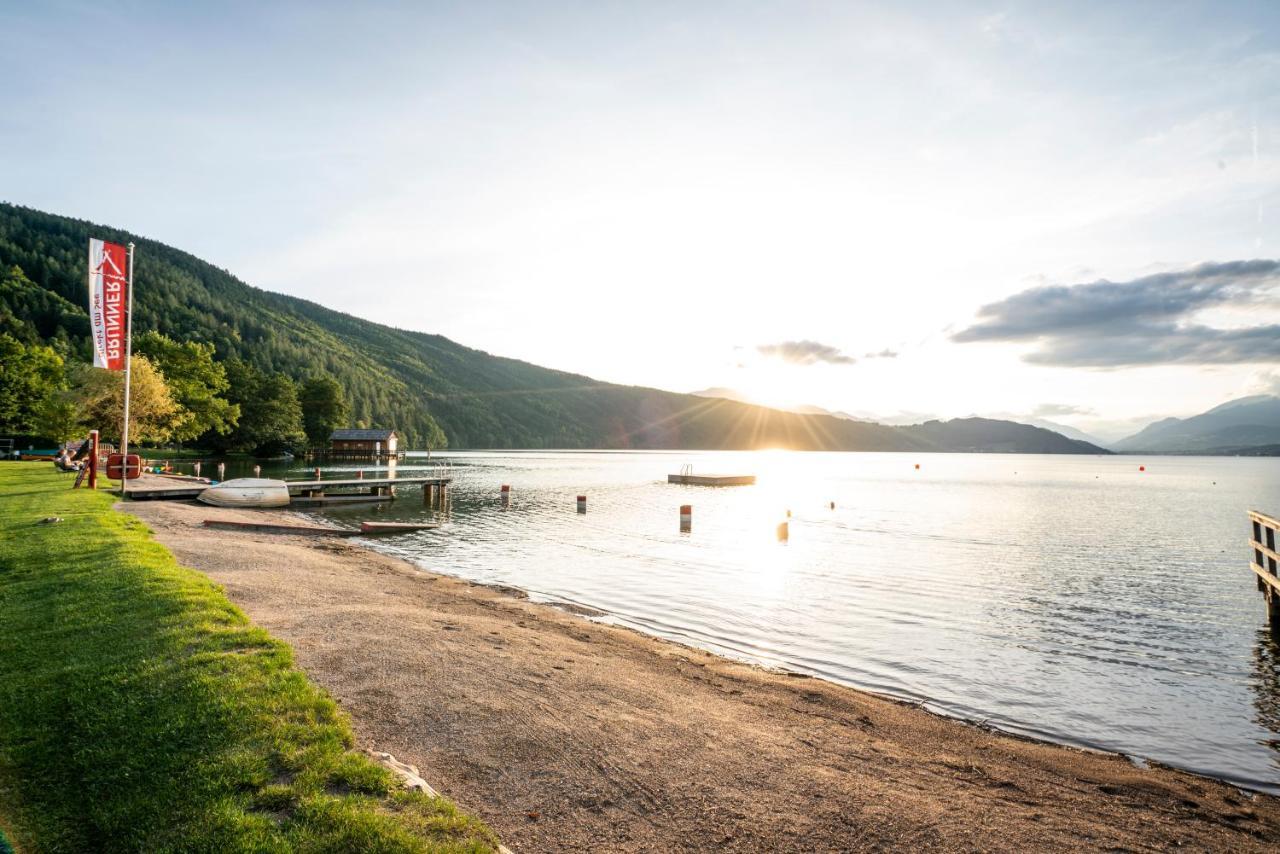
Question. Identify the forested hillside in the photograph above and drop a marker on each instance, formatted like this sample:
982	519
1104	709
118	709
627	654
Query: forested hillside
434	391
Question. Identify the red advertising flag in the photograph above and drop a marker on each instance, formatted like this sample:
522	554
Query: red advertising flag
108	303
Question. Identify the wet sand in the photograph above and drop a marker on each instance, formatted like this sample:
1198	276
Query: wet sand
568	735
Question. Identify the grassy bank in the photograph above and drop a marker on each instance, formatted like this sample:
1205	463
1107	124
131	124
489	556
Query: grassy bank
140	710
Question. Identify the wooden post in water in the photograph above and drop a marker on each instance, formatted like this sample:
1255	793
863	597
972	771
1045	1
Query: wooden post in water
686	518
582	504
222	471
257	471
197	468
506	495
1266	529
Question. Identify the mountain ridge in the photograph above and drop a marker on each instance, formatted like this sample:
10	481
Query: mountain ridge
435	391
1236	426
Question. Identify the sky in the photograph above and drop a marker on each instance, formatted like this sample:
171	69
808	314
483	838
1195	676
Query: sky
899	209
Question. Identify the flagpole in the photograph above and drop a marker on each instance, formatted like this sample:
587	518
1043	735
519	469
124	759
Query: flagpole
128	371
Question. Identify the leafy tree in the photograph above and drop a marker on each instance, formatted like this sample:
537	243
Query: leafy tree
153	413
59	417
270	414
324	408
195	380
29	374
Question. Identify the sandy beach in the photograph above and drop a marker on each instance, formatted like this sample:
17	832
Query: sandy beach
568	735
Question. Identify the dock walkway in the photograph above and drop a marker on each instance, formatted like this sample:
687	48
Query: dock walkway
153	487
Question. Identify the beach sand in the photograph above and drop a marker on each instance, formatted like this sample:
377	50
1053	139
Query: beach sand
568	735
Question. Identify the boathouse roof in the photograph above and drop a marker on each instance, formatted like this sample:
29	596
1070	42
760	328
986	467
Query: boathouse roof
348	433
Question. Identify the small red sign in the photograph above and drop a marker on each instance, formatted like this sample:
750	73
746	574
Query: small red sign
116	463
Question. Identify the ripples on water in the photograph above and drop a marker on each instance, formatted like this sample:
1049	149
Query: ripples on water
1068	597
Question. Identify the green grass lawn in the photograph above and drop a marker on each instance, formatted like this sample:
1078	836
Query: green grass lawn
141	711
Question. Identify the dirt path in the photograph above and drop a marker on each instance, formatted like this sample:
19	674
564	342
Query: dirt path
571	736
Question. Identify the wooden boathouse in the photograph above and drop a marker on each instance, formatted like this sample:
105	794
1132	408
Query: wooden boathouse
354	444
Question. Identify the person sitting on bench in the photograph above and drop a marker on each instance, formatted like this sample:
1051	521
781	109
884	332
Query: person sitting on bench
64	461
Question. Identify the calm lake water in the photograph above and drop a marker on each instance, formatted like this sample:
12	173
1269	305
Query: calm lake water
1070	598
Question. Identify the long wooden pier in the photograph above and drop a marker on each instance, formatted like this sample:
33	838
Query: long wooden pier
334	491
1266	529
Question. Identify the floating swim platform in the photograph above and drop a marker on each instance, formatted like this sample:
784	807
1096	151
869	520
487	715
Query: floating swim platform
712	479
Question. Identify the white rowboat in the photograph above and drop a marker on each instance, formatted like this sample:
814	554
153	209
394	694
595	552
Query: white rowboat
247	492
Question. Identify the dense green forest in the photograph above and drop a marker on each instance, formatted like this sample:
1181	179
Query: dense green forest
432	390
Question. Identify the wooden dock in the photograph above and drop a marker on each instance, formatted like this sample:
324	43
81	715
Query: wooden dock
150	487
712	479
1266	529
395	527
271	528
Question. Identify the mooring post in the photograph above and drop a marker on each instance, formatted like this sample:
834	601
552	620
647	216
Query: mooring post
197	468
686	518
222	471
257	471
506	495
582	504
93	459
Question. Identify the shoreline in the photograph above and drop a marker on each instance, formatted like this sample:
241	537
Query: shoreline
929	705
637	742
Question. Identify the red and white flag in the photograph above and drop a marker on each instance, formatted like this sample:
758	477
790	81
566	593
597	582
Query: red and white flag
108	303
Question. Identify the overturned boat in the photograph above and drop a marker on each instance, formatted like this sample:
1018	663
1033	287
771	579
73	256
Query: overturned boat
247	492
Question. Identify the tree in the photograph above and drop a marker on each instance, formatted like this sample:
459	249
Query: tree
153	413
324	408
195	380
270	415
29	374
58	417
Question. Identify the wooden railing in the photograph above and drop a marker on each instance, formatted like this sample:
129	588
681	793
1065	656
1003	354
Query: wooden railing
1266	530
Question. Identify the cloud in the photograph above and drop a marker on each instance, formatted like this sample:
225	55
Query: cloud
1145	321
1265	382
1057	410
805	353
883	354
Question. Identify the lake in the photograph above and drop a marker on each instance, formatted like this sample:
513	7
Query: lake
1074	598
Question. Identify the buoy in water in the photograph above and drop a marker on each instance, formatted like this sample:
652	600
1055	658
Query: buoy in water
582	504
784	531
1142	468
506	495
917	467
686	518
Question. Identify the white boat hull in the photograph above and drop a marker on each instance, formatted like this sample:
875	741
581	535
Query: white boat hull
247	492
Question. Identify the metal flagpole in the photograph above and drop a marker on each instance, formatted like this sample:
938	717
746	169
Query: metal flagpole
128	371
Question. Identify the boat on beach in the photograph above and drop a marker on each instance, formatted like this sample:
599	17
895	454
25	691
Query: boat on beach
247	492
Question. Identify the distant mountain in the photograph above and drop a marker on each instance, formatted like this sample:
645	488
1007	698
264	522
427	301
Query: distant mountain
977	435
1245	425
987	435
1065	430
